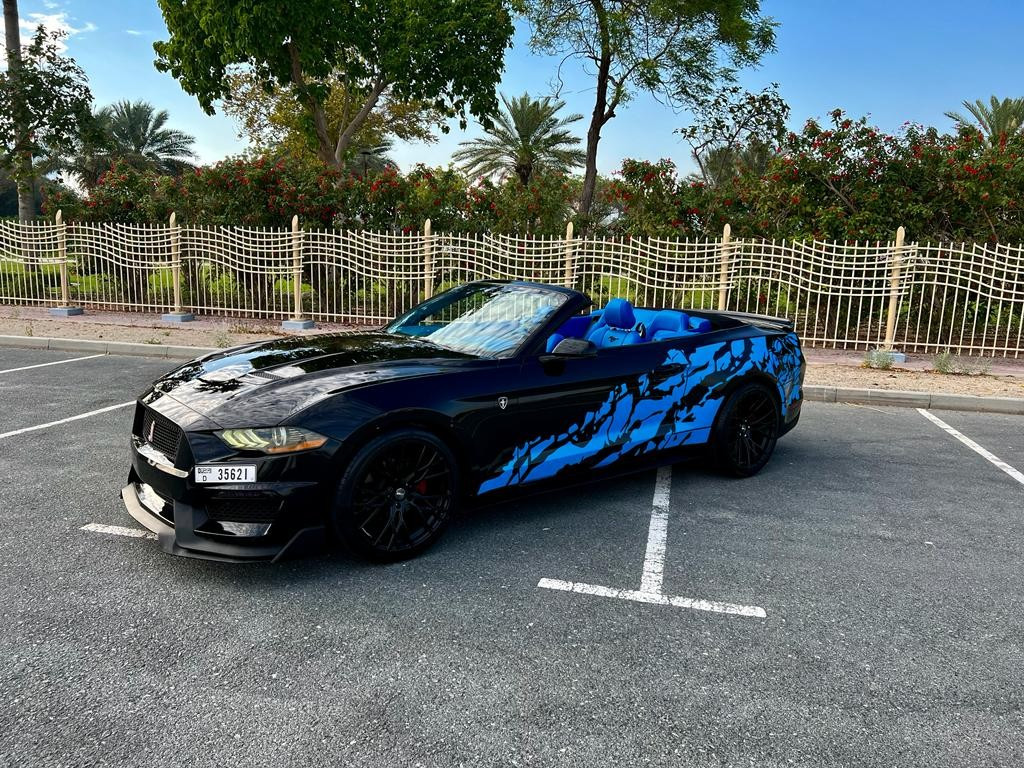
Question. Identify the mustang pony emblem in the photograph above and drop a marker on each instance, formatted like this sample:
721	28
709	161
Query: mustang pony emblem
503	402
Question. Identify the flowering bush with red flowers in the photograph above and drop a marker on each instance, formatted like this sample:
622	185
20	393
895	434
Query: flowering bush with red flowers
842	179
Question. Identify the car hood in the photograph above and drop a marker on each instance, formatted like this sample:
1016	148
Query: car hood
264	384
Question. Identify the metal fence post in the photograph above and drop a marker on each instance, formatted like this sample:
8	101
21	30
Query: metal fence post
178	314
570	257
65	309
428	261
723	275
297	323
894	294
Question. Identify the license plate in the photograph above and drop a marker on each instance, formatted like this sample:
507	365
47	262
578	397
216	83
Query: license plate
226	473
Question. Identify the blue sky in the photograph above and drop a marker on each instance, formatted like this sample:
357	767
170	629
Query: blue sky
895	61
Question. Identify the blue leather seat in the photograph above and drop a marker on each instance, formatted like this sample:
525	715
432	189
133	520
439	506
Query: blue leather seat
617	326
700	324
669	324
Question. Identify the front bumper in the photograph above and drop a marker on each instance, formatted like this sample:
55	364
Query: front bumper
182	539
283	514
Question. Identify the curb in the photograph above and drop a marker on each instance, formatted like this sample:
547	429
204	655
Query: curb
168	351
904	399
812	393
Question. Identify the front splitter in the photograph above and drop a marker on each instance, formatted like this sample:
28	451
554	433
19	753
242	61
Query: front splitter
305	542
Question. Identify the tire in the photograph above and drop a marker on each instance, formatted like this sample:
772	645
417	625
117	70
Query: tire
397	495
745	432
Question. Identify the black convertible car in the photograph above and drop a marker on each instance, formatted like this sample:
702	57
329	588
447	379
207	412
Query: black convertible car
373	438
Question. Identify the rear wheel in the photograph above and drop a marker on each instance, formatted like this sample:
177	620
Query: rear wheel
397	495
746	430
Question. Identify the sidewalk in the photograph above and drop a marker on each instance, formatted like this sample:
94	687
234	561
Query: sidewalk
826	368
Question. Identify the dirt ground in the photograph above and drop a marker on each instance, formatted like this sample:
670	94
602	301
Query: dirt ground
1005	378
986	385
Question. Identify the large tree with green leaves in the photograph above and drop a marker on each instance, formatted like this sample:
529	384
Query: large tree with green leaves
676	49
44	99
998	120
274	121
527	136
447	54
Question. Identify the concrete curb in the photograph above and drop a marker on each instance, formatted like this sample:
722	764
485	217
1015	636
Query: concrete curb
169	351
880	397
903	399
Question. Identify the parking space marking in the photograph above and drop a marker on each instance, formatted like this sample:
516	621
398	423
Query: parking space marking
117	530
98	411
54	362
657	535
640	596
654	567
1015	474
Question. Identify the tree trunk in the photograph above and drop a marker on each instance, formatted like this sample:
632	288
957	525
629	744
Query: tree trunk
23	174
598	118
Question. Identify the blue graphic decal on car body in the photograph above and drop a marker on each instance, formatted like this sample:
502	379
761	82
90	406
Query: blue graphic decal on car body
648	415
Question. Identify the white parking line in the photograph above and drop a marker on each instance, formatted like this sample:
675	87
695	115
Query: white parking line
65	421
640	596
55	362
657	534
654	567
118	530
1015	474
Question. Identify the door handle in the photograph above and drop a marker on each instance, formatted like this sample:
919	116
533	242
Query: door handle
671	368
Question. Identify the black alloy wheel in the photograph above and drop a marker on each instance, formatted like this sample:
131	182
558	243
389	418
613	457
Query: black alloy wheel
397	495
746	430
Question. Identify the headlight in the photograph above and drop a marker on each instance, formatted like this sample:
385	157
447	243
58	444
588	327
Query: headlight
272	439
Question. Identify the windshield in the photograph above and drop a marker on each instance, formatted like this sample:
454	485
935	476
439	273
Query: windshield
479	319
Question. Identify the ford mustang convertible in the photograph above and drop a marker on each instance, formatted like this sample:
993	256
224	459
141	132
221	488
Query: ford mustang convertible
493	387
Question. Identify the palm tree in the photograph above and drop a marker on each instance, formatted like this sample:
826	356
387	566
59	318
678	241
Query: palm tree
370	160
998	120
132	133
720	165
527	136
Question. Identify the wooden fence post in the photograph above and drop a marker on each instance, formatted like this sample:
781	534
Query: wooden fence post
296	323
65	309
894	291
177	314
428	261
723	275
570	257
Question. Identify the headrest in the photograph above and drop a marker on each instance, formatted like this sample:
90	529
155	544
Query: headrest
667	320
701	324
618	313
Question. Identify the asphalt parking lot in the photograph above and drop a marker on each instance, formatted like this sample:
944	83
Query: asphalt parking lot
858	603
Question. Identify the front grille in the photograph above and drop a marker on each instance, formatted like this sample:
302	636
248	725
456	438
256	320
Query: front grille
160	432
254	510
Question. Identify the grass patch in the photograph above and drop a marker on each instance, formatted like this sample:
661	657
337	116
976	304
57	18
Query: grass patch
958	365
879	359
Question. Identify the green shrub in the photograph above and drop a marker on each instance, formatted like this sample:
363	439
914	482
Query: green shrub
879	358
956	365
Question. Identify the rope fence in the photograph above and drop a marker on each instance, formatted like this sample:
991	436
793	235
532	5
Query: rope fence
914	297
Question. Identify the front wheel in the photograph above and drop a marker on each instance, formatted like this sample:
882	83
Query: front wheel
397	495
746	430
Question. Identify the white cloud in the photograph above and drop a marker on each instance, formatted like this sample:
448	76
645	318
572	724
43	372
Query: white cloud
135	32
51	22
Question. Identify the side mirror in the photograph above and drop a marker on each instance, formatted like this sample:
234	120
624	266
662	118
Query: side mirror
568	348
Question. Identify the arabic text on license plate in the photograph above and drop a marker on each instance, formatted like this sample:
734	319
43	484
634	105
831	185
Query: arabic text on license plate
226	473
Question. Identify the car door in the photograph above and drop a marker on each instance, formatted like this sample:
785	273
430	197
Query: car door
573	415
